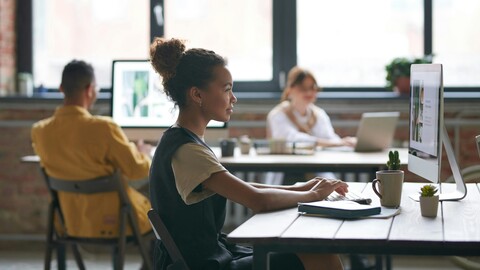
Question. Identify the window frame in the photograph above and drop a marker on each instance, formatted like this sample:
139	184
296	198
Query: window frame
284	49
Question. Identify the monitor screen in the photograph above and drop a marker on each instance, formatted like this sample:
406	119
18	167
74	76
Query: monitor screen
140	106
426	121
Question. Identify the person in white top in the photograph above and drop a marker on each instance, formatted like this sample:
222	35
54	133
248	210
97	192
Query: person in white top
297	118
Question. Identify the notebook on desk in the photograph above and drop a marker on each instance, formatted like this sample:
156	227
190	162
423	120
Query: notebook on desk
338	209
353	205
375	132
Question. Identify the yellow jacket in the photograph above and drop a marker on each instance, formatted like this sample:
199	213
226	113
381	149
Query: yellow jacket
73	144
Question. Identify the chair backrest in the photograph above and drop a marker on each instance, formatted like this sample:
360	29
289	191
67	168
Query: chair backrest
469	174
109	183
477	143
161	232
89	186
96	185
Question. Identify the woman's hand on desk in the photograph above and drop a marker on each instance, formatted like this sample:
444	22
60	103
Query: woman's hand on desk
349	141
324	187
345	141
304	186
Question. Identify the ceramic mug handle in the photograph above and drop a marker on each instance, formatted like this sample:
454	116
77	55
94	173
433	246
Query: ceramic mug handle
374	187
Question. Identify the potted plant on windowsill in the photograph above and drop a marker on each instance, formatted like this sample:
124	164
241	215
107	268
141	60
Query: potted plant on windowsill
428	201
398	73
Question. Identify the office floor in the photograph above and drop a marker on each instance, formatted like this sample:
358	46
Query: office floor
30	259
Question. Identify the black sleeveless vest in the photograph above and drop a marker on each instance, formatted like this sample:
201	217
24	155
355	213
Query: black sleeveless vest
195	228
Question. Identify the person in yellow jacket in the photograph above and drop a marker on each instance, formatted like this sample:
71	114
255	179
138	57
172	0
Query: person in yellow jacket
74	144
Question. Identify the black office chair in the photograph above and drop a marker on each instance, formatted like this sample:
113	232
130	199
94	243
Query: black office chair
161	232
59	239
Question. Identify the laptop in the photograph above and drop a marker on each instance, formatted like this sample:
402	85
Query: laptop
375	132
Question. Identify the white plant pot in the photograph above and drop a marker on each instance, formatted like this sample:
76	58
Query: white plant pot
429	206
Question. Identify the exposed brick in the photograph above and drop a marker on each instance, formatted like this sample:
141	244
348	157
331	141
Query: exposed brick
7	46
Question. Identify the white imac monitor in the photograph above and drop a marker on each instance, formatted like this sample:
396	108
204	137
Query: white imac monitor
140	106
427	129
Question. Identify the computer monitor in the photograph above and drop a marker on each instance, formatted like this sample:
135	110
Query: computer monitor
140	106
427	129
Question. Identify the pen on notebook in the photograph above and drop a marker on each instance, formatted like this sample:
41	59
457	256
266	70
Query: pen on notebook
363	201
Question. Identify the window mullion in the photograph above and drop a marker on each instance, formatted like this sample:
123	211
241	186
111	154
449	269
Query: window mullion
285	39
157	19
427	24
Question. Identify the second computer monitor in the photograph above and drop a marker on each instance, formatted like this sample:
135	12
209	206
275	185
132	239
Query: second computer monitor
141	107
426	121
427	130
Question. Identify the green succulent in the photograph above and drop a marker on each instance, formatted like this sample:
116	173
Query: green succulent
428	191
400	67
393	162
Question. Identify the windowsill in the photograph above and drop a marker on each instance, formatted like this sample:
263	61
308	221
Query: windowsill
49	95
467	96
105	96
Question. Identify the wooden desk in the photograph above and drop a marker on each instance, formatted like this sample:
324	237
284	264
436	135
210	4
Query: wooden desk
455	231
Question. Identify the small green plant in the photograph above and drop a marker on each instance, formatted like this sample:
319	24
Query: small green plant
393	162
428	191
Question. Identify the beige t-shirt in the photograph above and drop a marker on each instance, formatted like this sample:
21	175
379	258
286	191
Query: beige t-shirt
192	164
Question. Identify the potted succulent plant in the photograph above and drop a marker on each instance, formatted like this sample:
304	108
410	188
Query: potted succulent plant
428	201
398	73
393	163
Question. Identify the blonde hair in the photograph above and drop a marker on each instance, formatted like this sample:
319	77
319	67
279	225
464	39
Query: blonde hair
296	76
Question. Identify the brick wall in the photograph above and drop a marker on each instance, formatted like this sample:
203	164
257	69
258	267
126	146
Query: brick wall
7	47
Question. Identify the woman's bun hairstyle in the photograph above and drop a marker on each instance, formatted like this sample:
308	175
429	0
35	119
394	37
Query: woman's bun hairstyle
182	69
165	56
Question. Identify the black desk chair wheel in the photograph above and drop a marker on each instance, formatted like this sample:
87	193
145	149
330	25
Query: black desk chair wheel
59	240
161	232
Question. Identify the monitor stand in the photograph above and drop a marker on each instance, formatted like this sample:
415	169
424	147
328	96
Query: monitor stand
461	189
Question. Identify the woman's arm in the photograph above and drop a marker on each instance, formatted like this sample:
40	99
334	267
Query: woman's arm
326	134
270	198
301	186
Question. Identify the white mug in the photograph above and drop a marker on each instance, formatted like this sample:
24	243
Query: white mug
390	183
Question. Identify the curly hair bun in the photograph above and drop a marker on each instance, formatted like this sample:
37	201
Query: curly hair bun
165	55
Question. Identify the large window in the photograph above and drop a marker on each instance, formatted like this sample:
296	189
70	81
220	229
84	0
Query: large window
94	31
346	43
239	30
456	41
